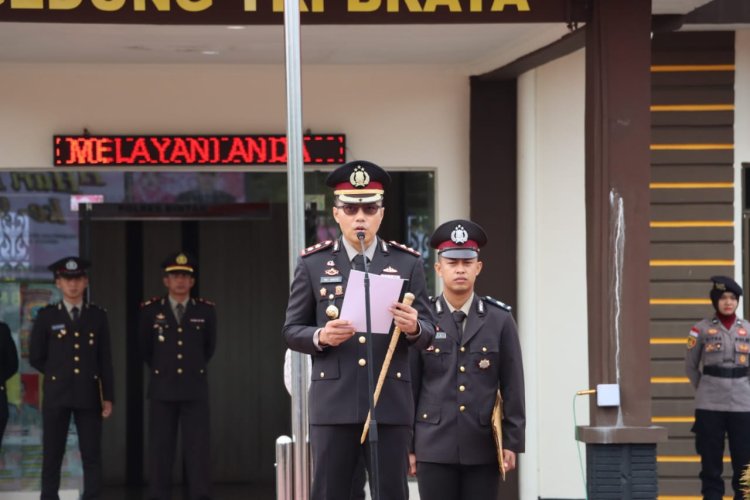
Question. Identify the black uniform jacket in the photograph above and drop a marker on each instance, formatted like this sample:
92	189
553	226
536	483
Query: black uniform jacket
8	356
339	384
177	354
75	358
455	383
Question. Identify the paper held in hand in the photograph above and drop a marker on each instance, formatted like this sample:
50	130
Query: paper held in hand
497	431
384	291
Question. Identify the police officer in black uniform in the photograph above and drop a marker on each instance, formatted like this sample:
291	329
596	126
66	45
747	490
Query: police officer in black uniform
70	345
339	400
476	351
716	362
9	366
178	338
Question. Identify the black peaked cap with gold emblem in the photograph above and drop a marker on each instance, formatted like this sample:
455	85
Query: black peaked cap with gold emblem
180	262
359	182
458	239
721	284
69	267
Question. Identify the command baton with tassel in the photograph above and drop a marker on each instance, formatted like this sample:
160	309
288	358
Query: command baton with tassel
408	300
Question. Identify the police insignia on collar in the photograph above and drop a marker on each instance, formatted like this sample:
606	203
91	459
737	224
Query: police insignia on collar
459	235
359	178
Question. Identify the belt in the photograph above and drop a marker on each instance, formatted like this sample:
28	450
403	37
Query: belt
725	372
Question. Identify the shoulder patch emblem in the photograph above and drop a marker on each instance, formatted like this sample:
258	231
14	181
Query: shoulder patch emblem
691	342
401	246
150	301
316	248
497	303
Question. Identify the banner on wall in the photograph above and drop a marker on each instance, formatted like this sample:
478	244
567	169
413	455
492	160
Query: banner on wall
233	12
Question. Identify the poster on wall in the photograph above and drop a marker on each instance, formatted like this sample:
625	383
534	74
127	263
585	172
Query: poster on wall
37	224
21	453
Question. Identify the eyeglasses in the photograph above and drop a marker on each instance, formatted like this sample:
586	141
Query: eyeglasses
351	209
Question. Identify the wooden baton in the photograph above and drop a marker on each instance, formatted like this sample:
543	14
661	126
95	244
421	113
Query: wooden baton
408	300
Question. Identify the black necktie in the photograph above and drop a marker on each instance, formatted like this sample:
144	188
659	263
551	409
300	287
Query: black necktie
459	316
74	311
179	310
358	262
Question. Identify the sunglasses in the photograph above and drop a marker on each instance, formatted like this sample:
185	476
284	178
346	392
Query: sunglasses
351	209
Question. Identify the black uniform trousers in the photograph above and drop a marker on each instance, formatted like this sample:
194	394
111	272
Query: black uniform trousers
3	414
710	429
55	425
336	452
457	482
193	419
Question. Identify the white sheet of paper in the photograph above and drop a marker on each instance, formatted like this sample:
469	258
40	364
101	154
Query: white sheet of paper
384	291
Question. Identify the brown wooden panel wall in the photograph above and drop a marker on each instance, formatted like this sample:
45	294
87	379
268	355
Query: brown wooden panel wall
692	224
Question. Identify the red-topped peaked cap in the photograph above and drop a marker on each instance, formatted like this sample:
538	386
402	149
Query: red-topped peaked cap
458	239
359	182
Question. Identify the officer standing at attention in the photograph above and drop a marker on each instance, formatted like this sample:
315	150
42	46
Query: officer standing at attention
476	352
722	399
178	338
70	345
9	366
339	400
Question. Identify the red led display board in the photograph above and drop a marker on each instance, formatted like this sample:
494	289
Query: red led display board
181	150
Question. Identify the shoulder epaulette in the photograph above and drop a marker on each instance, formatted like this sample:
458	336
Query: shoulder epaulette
497	303
316	248
91	305
433	299
401	246
205	301
150	301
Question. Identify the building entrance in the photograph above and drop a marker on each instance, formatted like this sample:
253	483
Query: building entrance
238	249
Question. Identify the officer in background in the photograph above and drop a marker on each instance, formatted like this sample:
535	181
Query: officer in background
178	338
720	346
9	366
339	400
70	345
476	351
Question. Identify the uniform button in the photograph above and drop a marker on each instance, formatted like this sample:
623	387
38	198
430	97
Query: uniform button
362	362
77	359
424	415
179	329
96	377
398	374
91	334
437	351
91	342
322	374
463	349
77	346
76	371
179	371
462	408
462	388
462	369
54	378
362	339
156	372
76	334
179	342
179	356
202	370
484	349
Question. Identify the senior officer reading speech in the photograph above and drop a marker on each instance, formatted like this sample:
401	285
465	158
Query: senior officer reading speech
476	352
339	398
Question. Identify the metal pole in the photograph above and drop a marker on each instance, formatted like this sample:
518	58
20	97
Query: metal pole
296	200
284	483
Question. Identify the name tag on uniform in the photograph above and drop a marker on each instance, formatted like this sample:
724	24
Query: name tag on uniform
58	327
331	279
197	320
440	335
